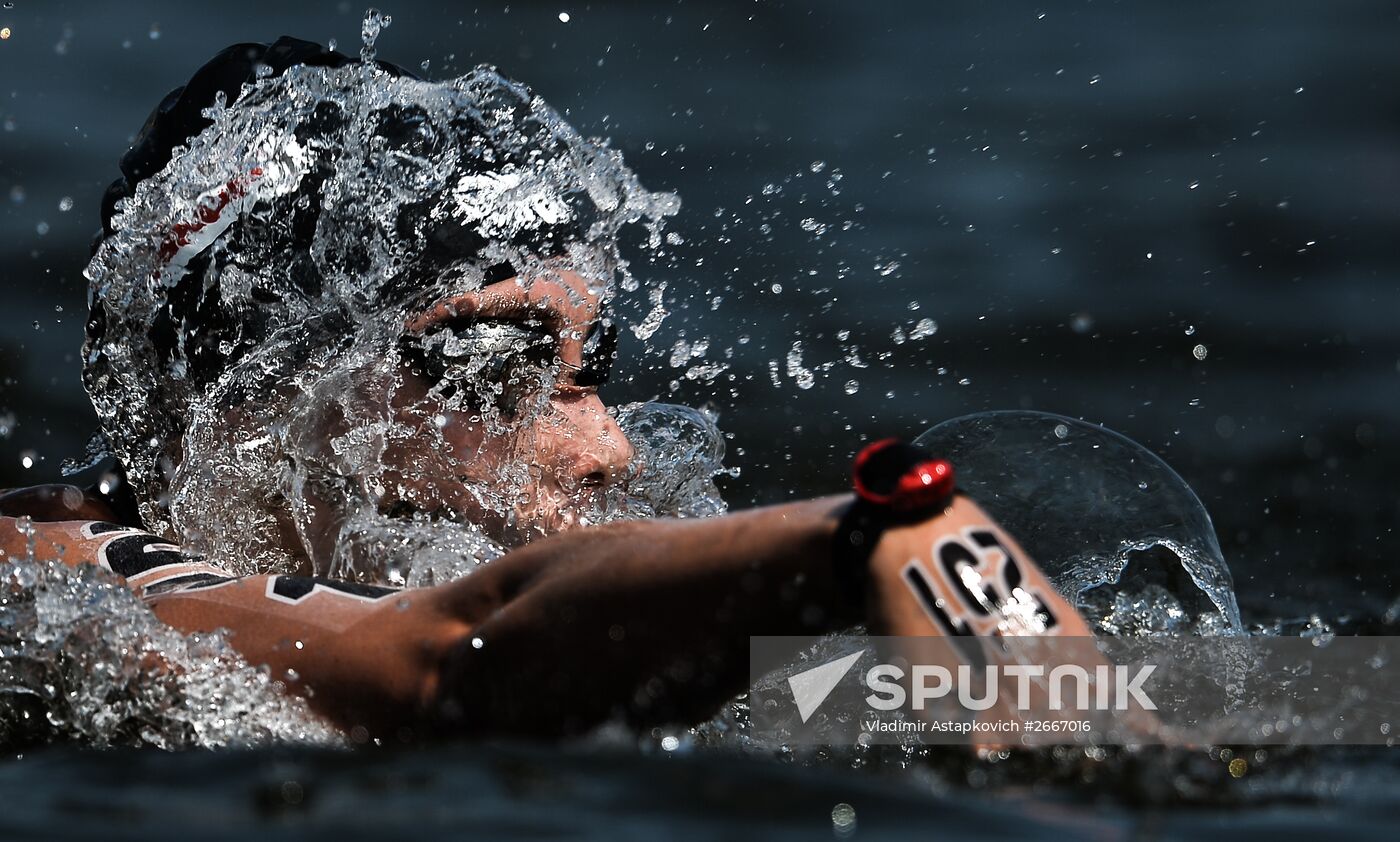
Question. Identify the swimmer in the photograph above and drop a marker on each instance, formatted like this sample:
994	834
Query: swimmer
644	621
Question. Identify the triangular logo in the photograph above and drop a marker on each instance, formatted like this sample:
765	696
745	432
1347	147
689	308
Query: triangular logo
810	688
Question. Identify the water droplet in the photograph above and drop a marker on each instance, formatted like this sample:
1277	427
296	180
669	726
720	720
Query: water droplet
477	643
1193	185
924	329
1142	486
1081	323
27	458
843	819
564	17
374	23
17	194
817	166
154	34
65	204
5	34
1061	431
41	228
800	374
670	743
1199	352
852	386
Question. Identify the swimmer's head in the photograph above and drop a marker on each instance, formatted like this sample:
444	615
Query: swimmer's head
322	280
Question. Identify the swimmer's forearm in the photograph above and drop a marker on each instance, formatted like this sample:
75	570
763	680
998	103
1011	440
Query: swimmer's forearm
650	620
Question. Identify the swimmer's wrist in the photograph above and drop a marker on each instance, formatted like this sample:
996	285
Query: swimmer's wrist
894	484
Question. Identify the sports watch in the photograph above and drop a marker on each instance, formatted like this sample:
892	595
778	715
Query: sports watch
894	483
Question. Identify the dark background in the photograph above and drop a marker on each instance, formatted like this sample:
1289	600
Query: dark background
1020	163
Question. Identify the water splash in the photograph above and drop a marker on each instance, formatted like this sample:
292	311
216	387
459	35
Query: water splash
81	658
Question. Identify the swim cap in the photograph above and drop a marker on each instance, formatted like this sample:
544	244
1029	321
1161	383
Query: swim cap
180	115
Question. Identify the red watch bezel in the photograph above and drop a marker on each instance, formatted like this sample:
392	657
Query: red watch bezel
922	484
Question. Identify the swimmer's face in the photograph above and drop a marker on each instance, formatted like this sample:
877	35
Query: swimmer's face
503	384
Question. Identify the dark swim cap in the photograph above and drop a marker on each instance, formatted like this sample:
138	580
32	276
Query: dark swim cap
180	115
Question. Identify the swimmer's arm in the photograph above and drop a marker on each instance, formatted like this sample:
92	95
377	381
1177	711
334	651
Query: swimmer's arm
645	620
571	626
648	621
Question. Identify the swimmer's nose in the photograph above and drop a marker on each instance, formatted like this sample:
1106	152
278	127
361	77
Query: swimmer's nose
605	452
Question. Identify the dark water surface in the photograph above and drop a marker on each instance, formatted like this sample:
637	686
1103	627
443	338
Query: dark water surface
1079	194
524	792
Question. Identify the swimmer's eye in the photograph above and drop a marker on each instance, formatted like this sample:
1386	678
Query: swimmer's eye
599	354
505	364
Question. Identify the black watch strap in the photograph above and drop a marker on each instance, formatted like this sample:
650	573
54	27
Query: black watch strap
894	483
